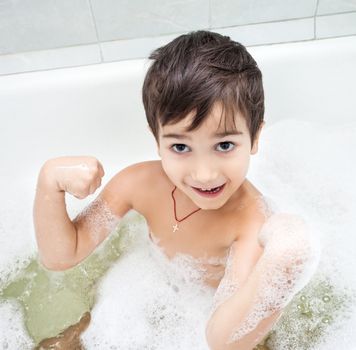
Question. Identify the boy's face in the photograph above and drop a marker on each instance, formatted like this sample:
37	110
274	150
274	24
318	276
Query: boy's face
202	159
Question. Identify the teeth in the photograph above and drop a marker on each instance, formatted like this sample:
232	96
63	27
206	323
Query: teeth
210	189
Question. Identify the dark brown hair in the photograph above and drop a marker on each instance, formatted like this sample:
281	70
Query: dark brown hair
194	71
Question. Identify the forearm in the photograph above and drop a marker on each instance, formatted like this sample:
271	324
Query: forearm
239	323
55	232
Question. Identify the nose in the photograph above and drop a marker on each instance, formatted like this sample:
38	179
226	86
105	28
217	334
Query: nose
204	174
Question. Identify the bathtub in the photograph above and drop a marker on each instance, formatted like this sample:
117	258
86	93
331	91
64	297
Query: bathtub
97	110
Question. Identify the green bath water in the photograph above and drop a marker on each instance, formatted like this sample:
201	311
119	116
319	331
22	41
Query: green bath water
54	300
306	320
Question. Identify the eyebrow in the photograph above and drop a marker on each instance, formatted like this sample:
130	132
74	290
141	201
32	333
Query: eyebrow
216	135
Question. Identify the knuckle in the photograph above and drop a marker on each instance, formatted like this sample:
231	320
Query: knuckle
93	161
83	187
88	178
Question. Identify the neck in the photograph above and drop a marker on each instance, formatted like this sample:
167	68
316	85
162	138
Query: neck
183	201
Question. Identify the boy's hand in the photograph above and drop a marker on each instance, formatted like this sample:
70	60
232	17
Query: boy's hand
78	175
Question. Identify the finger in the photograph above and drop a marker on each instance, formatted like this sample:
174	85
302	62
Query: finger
101	170
85	191
98	183
93	187
79	195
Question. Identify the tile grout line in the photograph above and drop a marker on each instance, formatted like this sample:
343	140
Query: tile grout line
158	36
336	13
315	14
304	40
96	31
139	58
175	33
210	28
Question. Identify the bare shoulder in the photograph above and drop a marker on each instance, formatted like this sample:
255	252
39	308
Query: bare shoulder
129	188
251	219
246	249
289	230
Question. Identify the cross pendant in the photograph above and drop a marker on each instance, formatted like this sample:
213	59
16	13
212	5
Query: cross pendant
175	227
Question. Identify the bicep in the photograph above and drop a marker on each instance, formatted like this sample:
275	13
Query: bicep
104	213
239	265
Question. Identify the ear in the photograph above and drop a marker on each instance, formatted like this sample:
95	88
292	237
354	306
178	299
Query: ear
257	137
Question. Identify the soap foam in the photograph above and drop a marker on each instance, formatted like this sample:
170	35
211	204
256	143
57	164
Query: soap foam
151	303
12	330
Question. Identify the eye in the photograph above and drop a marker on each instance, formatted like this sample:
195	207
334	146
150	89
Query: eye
179	147
227	143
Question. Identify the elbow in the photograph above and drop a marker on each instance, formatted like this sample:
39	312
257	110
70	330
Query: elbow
57	259
212	342
216	337
216	343
221	343
211	336
220	336
55	266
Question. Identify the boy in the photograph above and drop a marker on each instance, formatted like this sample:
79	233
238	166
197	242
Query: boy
196	199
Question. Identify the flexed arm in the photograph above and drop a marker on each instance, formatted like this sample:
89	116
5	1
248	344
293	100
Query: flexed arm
246	309
62	242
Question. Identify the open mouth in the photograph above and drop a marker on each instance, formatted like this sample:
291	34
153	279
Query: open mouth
212	192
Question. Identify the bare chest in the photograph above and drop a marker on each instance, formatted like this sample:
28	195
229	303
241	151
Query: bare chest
207	256
199	240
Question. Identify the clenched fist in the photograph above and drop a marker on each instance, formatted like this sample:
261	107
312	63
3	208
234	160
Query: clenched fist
78	175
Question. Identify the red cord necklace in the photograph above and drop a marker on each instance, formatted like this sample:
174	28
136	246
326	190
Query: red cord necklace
175	226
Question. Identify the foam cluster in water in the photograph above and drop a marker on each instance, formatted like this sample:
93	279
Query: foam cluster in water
12	331
151	302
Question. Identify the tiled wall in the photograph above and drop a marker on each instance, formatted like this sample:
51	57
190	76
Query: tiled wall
47	34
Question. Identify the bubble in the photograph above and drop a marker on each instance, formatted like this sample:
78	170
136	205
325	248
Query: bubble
326	298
